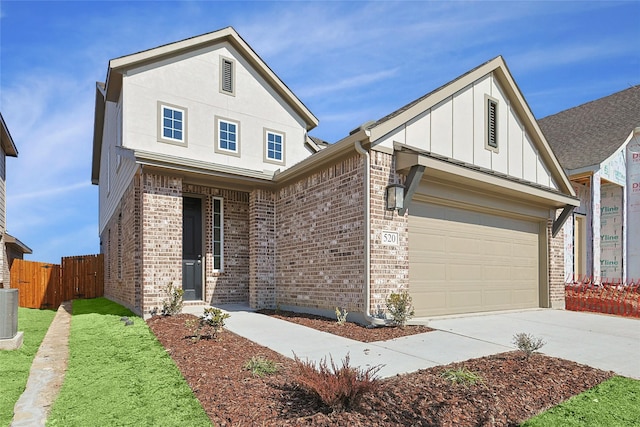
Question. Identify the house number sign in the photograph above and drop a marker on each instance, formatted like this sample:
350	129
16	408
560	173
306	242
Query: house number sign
390	238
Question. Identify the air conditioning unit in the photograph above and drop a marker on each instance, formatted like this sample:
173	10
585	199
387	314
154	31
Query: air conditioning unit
8	313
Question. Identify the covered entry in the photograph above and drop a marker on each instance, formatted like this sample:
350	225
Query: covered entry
463	260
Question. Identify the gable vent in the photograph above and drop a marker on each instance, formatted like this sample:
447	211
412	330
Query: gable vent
492	126
227	76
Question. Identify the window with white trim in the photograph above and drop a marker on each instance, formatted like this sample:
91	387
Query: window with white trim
218	233
172	124
274	146
227	76
227	136
491	121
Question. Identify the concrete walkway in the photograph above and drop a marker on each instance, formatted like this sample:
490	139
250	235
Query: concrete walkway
601	341
47	373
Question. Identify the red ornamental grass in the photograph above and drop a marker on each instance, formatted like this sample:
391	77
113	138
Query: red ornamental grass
340	388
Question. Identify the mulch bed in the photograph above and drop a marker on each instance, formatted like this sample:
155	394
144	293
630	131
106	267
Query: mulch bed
347	330
513	389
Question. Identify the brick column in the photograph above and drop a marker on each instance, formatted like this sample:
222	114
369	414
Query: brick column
262	242
556	267
161	237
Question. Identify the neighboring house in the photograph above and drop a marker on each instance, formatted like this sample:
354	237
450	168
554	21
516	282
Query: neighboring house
8	148
598	144
209	180
15	249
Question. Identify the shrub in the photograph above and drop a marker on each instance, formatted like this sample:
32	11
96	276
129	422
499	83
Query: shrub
400	308
462	376
341	315
173	304
340	388
208	325
527	343
261	366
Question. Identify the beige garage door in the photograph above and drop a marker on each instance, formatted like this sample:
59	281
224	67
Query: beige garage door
463	261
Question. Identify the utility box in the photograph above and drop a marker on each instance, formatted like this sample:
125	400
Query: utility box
8	313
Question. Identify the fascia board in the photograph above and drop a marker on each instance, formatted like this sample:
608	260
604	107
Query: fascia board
315	161
98	127
8	145
505	186
199	167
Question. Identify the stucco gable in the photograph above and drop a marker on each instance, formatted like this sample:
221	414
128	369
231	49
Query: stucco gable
449	122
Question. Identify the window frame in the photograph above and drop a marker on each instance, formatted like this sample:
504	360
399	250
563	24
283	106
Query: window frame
495	146
215	255
217	148
161	138
232	63
266	146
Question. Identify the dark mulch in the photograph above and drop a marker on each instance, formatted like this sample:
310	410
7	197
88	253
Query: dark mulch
513	389
350	330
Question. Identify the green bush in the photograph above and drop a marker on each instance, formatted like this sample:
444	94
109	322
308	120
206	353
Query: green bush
173	304
462	376
341	315
261	366
208	325
399	306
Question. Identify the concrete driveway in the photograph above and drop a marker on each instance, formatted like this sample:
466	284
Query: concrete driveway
606	342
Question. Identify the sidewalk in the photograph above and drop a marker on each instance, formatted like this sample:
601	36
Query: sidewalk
47	373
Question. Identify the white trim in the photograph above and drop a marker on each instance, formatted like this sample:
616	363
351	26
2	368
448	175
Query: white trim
217	148
268	159
213	241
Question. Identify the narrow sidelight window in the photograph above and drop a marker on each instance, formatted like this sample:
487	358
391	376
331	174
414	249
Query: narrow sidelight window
218	234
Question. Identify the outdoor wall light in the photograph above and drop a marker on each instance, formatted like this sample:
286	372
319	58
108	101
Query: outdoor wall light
395	197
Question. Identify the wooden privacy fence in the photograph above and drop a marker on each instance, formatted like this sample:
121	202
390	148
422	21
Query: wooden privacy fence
43	285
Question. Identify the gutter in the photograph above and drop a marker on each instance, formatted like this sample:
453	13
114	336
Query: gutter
367	238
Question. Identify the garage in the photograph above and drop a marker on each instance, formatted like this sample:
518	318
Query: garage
465	261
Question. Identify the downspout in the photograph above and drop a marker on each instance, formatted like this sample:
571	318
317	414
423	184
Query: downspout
367	238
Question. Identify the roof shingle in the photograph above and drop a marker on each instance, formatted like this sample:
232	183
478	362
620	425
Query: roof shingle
588	134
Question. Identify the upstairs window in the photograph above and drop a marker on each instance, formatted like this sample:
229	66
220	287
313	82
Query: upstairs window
274	147
227	76
491	120
172	124
228	137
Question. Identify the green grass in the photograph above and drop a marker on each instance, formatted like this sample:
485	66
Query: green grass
120	375
15	364
613	403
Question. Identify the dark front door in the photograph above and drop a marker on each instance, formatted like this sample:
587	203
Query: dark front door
192	248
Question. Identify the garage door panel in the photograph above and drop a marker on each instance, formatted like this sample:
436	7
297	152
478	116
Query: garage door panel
462	261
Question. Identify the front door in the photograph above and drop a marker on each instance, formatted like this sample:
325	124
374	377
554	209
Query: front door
192	248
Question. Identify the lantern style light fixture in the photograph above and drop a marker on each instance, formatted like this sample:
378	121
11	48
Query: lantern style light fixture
395	197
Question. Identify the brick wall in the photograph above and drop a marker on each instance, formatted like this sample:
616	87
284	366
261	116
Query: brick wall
389	264
123	280
161	237
320	239
262	249
556	267
231	284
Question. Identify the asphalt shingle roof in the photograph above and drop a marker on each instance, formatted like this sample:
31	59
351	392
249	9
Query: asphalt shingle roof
589	133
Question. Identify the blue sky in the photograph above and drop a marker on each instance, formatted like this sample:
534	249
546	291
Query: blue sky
349	62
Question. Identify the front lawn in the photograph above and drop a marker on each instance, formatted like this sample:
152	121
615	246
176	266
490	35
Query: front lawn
120	375
16	364
615	402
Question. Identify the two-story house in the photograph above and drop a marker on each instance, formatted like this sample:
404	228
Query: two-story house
210	181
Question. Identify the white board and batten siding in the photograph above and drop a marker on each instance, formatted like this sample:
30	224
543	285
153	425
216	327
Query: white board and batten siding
455	128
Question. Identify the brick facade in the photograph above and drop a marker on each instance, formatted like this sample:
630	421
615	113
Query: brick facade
320	239
262	249
556	267
389	263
